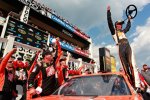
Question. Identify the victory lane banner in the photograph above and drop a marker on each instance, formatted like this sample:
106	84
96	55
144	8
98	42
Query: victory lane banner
26	34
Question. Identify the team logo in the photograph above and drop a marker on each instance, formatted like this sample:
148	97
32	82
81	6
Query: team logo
38	37
50	71
26	14
10	77
22	31
29	39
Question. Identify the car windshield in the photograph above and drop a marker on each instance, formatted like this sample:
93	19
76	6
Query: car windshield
98	85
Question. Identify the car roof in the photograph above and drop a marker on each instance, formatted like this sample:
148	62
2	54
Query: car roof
101	73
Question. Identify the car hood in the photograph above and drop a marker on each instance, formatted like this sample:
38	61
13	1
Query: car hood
56	97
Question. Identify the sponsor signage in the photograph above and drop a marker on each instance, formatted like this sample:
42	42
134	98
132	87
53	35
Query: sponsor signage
81	52
64	45
113	64
70	48
67	46
80	34
25	14
67	33
56	19
46	11
26	34
59	21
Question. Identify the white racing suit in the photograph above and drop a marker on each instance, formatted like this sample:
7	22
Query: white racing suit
125	52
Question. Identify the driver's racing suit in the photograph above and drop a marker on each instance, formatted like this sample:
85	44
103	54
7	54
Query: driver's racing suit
125	52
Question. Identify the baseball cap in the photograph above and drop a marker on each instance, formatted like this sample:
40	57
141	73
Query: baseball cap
46	52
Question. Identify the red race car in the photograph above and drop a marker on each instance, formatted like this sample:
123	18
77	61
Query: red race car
101	86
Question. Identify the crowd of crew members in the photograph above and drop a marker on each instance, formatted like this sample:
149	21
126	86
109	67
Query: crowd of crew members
39	78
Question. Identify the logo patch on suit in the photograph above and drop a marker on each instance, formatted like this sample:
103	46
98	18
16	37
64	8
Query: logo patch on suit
10	77
50	71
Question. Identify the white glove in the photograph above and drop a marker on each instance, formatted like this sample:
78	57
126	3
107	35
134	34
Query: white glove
38	90
148	90
53	40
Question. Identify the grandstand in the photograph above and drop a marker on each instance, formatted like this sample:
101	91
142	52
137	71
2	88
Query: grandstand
33	25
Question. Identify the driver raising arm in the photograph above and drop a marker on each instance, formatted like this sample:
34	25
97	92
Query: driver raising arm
125	52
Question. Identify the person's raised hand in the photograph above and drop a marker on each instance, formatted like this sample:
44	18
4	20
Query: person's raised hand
68	54
57	39
129	17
